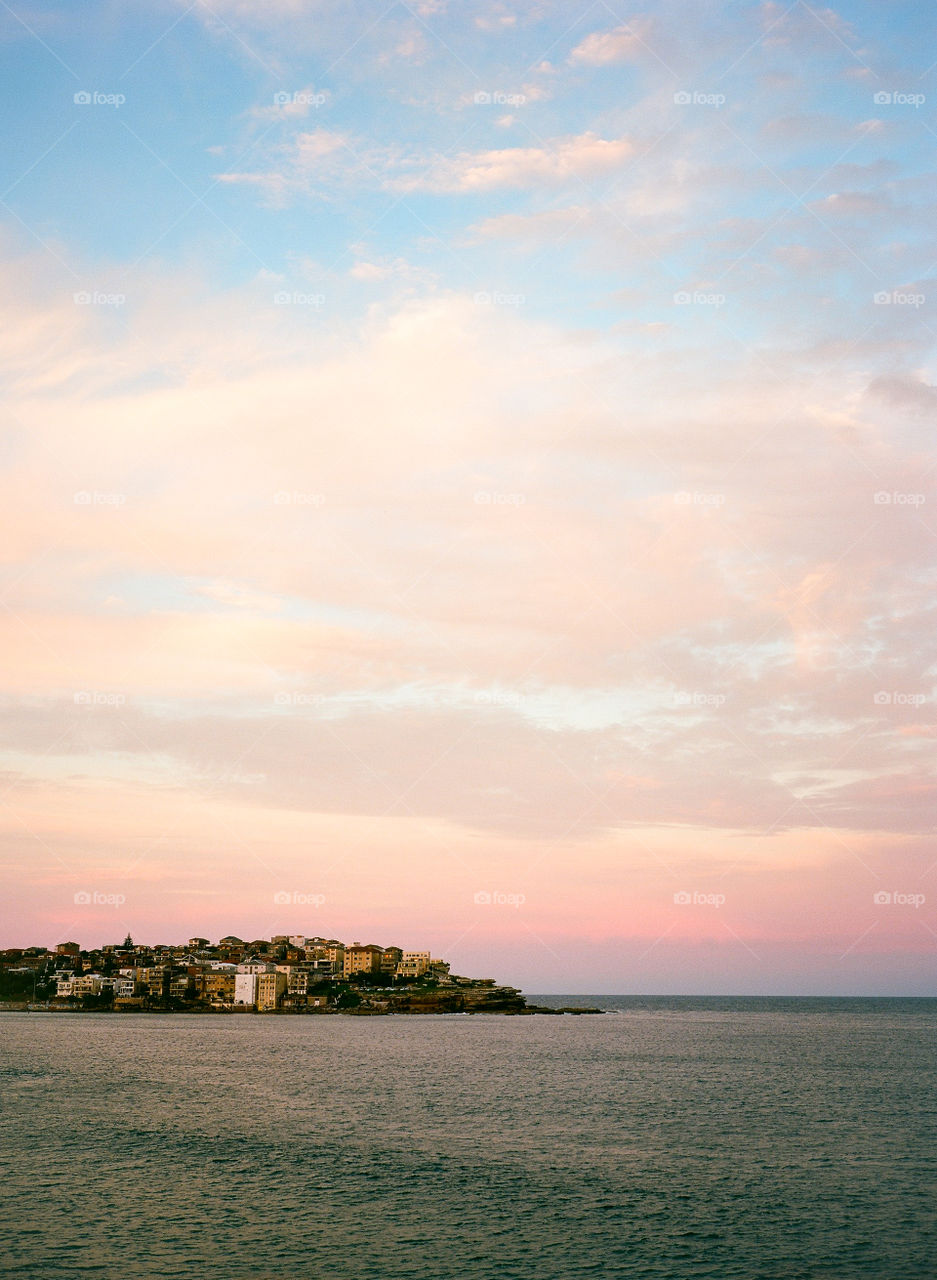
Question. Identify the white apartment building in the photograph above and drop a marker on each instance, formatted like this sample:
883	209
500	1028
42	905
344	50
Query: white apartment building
245	988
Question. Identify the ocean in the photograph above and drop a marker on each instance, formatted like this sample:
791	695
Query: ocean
709	1138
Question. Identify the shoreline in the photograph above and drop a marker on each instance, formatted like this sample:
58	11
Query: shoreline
523	1012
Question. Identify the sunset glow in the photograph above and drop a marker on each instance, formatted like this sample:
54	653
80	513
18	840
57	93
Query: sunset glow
468	481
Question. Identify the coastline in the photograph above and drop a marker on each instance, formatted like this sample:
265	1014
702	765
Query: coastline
285	974
435	1009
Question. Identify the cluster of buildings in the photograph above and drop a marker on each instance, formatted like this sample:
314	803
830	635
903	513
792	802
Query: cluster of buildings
284	972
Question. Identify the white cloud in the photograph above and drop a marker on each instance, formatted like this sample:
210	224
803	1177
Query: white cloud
312	161
621	44
495	21
559	160
237	596
321	158
369	271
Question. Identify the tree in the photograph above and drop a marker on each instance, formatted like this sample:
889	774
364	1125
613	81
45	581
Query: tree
365	979
103	1000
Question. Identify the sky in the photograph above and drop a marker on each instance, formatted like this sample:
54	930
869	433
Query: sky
468	484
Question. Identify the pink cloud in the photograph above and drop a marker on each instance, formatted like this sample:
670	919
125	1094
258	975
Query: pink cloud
701	710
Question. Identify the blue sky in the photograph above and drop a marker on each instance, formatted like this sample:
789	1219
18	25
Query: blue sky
139	181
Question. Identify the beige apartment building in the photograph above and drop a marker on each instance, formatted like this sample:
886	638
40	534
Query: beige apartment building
179	986
360	959
413	964
218	987
155	980
270	987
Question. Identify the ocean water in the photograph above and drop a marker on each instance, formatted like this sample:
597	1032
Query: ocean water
706	1138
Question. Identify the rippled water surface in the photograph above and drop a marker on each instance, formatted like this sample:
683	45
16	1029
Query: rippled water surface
671	1138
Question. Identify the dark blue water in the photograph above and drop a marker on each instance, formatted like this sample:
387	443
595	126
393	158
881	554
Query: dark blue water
675	1137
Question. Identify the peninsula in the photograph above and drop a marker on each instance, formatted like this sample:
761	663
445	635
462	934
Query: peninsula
285	974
